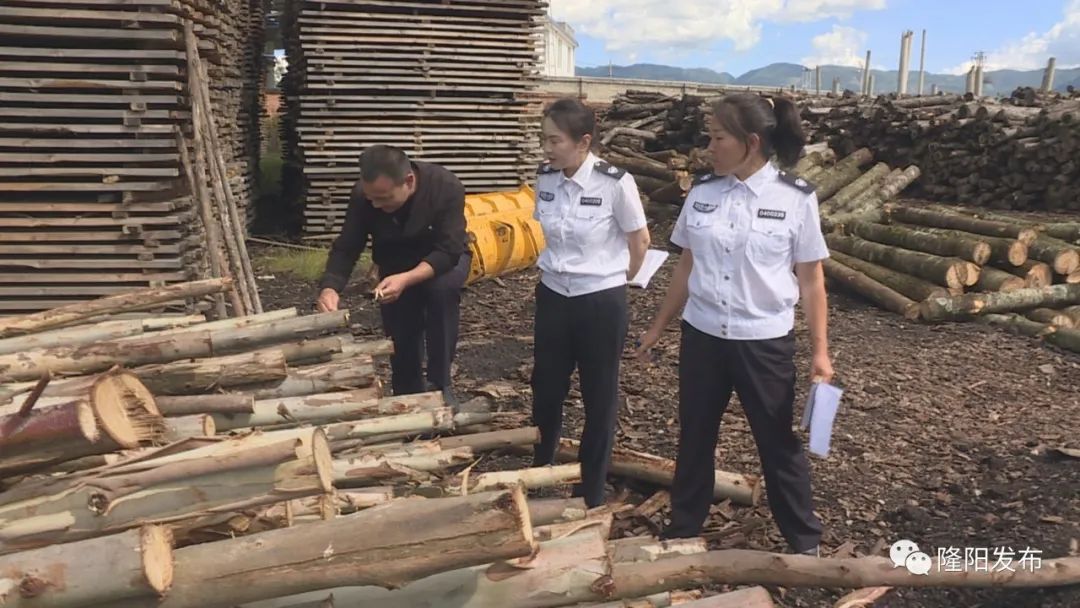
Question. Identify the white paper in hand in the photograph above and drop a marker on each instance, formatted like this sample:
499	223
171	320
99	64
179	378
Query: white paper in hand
821	407
654	259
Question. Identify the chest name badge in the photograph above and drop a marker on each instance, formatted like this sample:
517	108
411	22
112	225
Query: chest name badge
547	196
704	207
591	201
771	214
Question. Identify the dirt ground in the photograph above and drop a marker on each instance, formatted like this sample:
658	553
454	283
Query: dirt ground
945	436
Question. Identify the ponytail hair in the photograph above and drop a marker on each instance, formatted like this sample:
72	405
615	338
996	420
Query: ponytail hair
775	120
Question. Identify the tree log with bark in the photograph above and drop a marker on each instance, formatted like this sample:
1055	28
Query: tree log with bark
867	287
972	304
913	287
108	412
953	273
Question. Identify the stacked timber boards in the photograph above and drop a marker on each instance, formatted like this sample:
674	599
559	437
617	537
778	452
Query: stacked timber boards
447	82
93	95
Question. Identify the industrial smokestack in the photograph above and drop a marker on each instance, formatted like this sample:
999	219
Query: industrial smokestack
922	64
866	75
905	60
1048	75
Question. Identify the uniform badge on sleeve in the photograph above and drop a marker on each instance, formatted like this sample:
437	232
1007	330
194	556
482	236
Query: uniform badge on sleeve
771	214
704	207
547	196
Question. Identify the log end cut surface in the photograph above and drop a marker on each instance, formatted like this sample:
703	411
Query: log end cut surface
157	557
323	459
126	409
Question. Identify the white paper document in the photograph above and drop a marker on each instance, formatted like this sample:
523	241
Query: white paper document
818	415
654	259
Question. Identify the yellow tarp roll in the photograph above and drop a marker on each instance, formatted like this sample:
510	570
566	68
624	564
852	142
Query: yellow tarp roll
503	236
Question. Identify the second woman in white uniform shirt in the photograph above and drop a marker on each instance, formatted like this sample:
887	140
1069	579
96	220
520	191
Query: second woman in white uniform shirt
596	239
752	247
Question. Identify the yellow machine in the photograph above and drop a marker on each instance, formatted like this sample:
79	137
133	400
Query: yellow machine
503	236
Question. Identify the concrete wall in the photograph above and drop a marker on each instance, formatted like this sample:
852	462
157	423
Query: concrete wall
604	90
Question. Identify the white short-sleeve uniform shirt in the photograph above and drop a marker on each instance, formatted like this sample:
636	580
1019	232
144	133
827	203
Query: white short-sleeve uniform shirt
745	238
585	219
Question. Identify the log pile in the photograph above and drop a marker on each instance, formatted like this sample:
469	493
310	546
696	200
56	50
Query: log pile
448	83
659	139
1010	154
176	480
939	263
103	184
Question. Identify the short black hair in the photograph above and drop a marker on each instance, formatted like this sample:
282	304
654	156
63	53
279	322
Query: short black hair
572	117
379	161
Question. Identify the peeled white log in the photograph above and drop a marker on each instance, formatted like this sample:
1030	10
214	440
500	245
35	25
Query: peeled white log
340	375
89	334
95	572
328	407
134	300
192	343
559	574
456	532
111	500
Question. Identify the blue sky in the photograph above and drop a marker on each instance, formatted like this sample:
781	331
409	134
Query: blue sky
740	35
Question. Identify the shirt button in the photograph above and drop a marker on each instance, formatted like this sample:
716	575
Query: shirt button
724	302
727	278
727	249
733	224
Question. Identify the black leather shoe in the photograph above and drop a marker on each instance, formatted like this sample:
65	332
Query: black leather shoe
451	400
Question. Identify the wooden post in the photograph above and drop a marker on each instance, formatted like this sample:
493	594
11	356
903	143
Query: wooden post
836	86
817	79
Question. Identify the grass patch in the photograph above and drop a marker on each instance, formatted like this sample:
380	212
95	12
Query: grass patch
306	264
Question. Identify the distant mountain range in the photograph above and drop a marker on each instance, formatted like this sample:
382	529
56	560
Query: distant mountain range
997	82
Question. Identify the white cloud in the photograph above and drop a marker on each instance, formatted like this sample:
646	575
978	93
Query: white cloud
1032	51
688	25
842	45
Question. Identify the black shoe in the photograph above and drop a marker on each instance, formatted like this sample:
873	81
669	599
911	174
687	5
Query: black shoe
670	533
451	400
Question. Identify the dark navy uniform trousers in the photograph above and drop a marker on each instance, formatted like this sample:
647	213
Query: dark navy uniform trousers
586	332
762	372
425	314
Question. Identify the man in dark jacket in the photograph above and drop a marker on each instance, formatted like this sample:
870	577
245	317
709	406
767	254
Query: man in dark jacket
414	213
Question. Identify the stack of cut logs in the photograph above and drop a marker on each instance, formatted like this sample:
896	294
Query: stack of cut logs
939	263
658	139
994	154
167	461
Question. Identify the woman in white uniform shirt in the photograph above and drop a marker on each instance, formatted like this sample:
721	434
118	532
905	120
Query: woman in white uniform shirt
596	238
752	245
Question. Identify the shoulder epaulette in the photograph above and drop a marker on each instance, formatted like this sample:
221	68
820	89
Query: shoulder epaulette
609	169
796	181
702	178
544	168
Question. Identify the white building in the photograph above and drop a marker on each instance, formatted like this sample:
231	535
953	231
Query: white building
558	51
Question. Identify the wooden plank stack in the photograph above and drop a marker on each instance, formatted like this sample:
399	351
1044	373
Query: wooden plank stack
447	82
93	94
171	462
